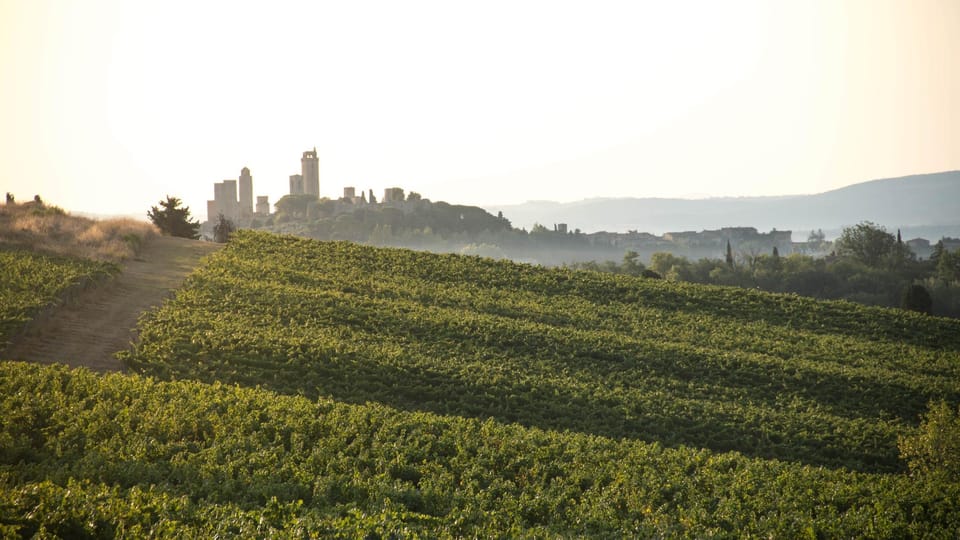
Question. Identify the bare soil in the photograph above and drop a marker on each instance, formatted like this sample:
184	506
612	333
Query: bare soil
101	320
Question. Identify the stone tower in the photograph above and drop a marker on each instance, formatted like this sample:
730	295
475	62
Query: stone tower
310	170
263	205
296	184
246	193
225	200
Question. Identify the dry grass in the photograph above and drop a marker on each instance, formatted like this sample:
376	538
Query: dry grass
49	229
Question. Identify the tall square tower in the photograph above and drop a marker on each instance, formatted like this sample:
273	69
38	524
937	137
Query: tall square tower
310	170
246	193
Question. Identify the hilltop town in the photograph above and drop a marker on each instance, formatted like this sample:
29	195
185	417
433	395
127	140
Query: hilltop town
414	221
233	199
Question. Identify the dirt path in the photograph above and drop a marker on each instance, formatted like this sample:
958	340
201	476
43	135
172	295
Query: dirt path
100	321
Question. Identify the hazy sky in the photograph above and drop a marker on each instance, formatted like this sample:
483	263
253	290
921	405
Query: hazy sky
107	106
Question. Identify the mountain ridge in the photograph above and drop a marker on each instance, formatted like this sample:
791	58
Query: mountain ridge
915	202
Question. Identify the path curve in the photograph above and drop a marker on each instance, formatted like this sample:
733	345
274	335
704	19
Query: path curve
101	320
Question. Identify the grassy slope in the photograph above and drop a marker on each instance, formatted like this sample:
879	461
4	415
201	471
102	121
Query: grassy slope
44	251
48	229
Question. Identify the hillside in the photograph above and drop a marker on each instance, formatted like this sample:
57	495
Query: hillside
31	281
88	456
722	368
347	390
100	317
56	303
922	205
37	226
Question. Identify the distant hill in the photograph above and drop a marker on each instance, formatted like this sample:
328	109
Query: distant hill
923	205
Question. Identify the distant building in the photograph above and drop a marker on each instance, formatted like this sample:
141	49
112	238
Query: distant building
393	194
224	201
350	196
246	193
233	199
920	247
263	205
212	210
296	184
310	172
950	244
712	243
560	227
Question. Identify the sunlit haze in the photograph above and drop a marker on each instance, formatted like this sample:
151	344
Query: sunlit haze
106	107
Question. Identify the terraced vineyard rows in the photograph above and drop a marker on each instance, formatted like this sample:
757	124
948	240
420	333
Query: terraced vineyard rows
85	455
30	281
352	392
770	376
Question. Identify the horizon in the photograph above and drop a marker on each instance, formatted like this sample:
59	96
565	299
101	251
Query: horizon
832	231
111	106
490	207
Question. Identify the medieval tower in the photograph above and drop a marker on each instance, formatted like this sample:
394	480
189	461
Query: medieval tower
245	185
310	170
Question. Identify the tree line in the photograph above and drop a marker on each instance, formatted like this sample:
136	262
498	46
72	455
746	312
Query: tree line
868	265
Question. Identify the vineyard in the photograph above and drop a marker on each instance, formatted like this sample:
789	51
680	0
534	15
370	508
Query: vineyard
330	389
770	376
30	281
86	455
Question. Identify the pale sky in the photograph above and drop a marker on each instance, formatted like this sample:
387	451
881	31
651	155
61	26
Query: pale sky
108	106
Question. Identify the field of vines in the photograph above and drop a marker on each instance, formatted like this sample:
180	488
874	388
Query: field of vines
100	456
29	281
770	376
297	388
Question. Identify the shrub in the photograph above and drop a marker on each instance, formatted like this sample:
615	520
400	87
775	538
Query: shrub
935	447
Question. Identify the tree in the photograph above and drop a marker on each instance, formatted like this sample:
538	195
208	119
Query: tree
11	200
670	266
729	254
174	220
916	298
631	266
937	251
948	266
295	206
223	229
867	243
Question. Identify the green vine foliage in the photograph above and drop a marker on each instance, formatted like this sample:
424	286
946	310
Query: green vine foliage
773	376
30	281
295	388
935	448
100	456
